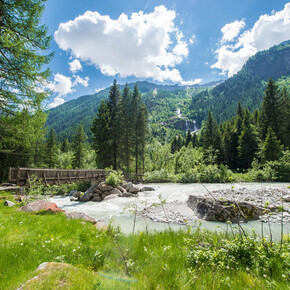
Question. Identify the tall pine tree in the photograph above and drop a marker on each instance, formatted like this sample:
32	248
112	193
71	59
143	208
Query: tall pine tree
78	146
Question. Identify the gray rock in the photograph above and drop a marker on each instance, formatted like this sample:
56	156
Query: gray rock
101	225
97	198
104	187
72	198
42	266
134	189
148	188
115	191
111	196
88	195
79	215
122	189
9	203
286	198
128	194
128	186
216	210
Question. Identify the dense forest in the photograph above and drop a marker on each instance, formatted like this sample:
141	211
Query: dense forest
170	132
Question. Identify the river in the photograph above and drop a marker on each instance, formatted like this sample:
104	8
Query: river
120	210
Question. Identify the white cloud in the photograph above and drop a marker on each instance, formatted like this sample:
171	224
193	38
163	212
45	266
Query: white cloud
56	102
79	81
231	30
63	85
191	83
269	30
141	45
75	66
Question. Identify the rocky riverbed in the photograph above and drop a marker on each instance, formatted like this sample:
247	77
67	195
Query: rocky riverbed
275	203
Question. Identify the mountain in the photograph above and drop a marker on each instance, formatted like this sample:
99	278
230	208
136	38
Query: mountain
247	86
193	102
67	116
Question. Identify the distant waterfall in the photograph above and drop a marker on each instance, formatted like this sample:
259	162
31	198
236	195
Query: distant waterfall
186	126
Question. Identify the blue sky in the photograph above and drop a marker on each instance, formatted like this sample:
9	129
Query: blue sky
184	42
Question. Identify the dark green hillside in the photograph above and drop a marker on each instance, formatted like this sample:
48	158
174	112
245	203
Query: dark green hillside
247	86
161	105
67	116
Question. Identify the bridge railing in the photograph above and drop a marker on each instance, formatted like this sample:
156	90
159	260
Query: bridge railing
21	176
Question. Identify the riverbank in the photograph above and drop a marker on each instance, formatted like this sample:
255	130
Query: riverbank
85	257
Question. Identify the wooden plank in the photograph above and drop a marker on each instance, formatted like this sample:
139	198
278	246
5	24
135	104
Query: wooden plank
45	181
58	179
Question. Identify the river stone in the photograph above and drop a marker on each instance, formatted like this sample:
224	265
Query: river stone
9	203
128	194
111	196
72	198
128	186
134	189
88	195
40	205
97	197
115	191
104	187
286	198
216	210
80	215
122	189
101	225
148	188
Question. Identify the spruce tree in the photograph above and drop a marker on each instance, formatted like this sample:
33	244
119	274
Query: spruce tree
114	98
140	120
188	138
78	146
65	145
51	148
101	135
212	136
248	143
273	112
125	128
271	149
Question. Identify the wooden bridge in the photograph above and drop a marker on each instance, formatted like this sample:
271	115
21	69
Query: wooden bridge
21	176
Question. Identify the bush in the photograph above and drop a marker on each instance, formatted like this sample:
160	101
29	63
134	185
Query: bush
115	178
160	176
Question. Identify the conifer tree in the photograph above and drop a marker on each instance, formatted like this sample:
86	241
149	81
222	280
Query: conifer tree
114	98
248	143
78	146
273	112
271	149
212	136
125	128
101	135
140	119
65	145
51	148
23	40
188	138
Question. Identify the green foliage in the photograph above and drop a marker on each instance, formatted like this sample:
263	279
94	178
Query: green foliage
192	259
115	178
78	147
23	40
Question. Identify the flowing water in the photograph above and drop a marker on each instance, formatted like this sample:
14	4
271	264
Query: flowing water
119	210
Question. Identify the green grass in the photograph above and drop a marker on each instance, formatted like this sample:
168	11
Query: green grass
111	260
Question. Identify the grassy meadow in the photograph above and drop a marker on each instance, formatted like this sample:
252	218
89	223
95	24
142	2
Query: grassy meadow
108	259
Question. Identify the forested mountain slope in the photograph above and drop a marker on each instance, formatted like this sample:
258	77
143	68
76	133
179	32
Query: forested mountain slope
247	86
162	102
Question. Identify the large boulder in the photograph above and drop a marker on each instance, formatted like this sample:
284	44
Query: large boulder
223	210
105	187
130	187
40	205
81	216
115	191
88	195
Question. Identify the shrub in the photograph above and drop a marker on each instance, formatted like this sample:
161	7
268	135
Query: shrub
114	178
